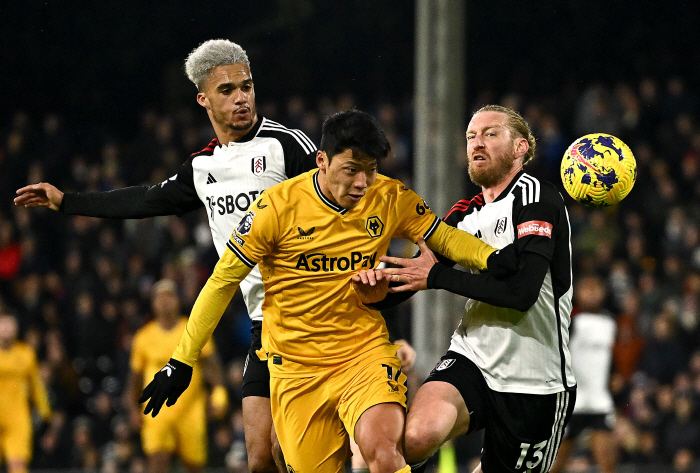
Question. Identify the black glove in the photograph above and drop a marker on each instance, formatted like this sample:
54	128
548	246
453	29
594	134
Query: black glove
167	384
503	262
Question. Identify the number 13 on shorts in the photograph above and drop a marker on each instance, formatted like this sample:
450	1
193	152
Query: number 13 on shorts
536	455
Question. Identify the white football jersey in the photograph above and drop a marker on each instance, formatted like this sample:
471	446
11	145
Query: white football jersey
521	352
591	345
227	178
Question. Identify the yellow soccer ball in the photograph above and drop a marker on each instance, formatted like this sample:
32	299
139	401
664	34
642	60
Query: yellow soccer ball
598	170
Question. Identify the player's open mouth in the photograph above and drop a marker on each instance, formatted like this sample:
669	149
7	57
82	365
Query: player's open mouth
478	157
355	196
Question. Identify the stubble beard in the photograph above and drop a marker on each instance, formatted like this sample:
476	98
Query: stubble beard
245	126
225	121
494	174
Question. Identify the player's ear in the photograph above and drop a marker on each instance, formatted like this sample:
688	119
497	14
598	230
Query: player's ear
521	147
202	100
321	160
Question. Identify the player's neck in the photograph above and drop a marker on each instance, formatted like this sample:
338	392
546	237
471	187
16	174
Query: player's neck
492	193
167	322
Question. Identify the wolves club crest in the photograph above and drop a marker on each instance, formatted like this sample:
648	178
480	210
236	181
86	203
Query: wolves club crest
258	165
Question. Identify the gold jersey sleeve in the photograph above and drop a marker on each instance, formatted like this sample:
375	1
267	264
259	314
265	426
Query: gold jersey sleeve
308	248
460	246
210	306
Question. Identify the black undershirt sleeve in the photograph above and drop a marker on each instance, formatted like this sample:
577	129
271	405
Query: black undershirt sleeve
129	202
396	298
174	196
519	291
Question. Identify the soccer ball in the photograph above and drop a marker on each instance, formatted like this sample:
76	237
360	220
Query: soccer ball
598	170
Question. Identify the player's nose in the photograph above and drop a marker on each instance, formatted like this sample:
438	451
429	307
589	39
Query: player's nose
241	97
476	142
361	180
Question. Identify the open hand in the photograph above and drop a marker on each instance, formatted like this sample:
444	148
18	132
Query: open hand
39	195
414	271
167	386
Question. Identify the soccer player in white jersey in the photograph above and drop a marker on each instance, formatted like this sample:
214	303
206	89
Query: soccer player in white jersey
593	332
508	369
249	154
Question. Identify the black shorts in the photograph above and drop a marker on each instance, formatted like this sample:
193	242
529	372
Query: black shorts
256	375
581	422
522	432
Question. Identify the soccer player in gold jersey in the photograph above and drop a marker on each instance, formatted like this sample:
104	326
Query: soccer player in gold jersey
182	430
19	383
334	373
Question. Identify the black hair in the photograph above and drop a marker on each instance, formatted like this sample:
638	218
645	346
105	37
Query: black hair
354	130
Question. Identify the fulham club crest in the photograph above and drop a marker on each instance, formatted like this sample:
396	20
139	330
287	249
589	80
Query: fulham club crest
258	165
444	364
501	226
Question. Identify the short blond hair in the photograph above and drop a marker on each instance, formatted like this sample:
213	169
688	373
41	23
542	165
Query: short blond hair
210	54
517	125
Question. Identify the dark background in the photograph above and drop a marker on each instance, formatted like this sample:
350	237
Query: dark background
95	98
107	61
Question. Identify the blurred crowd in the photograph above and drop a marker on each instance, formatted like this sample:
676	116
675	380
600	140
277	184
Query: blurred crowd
81	287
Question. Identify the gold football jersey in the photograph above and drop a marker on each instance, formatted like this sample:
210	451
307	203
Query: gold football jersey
308	249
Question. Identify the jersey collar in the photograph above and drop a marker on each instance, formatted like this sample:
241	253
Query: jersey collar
507	190
325	200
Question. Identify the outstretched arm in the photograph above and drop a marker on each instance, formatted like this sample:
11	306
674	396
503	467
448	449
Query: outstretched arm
518	291
413	274
128	202
174	196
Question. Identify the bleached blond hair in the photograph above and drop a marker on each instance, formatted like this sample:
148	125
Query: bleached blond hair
210	54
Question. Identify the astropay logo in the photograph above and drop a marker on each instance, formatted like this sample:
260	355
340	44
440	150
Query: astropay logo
535	227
